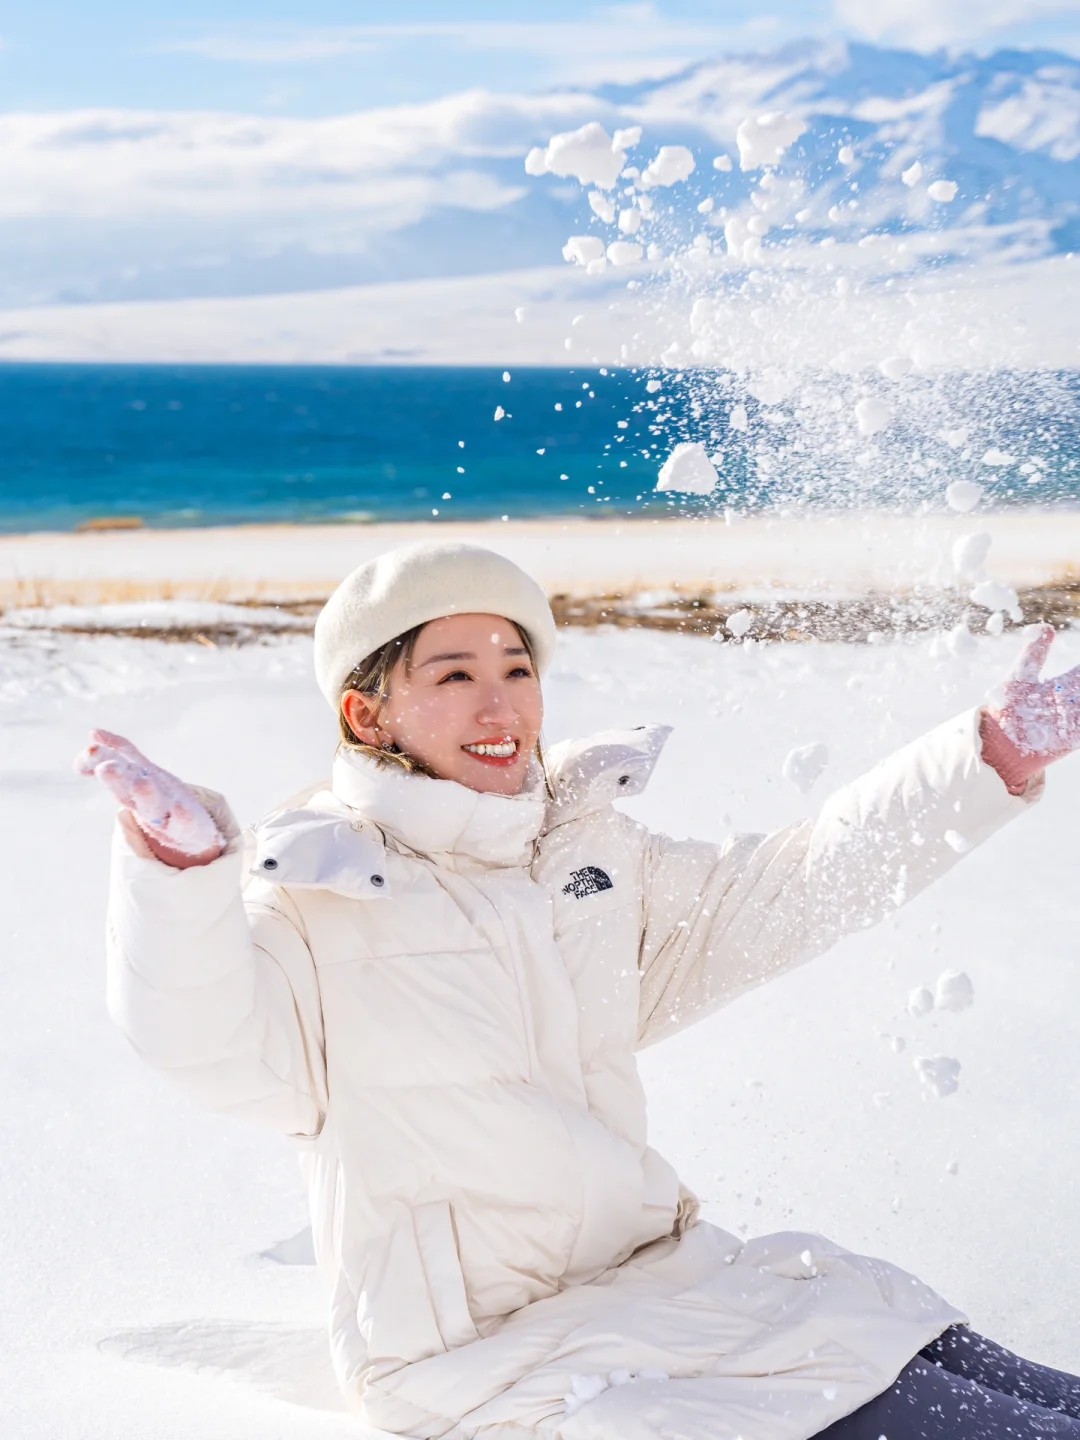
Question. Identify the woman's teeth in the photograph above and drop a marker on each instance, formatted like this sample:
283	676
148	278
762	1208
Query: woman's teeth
499	750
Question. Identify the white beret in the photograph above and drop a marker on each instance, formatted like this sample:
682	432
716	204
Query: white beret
413	585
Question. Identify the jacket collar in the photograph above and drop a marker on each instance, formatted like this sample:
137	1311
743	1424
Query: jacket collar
441	818
587	775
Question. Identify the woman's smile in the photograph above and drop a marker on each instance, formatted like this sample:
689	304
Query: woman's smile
503	751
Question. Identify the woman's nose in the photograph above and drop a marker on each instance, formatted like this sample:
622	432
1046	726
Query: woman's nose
497	708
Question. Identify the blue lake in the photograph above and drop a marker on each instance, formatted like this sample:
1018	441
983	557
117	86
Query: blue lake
199	445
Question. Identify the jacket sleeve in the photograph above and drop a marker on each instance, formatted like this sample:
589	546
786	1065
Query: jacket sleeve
720	920
217	992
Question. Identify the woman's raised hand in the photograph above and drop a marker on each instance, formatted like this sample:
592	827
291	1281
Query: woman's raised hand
1032	721
160	810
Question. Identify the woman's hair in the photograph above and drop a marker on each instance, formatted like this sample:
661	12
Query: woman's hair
372	678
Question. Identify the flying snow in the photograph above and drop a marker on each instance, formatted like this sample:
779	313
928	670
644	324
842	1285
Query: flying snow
672	164
995	596
939	1073
581	249
895	367
872	416
689	469
624	252
804	765
762	139
970	552
920	1002
954	990
963	495
589	155
943	191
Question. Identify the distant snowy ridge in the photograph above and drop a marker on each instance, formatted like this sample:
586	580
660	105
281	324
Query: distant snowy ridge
124	205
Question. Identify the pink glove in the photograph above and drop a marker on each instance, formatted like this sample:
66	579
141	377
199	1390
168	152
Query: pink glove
160	811
1032	721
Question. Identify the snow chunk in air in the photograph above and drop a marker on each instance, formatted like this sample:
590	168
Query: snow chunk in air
943	191
624	252
872	416
920	1002
689	469
954	991
762	139
805	764
970	552
895	367
994	596
939	1073
963	495
672	164
582	249
588	154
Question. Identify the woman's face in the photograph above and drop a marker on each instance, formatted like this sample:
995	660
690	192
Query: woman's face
468	705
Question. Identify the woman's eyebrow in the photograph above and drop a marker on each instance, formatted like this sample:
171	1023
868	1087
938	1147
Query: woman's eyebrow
468	655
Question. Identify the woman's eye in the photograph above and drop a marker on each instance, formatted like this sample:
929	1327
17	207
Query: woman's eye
520	672
454	675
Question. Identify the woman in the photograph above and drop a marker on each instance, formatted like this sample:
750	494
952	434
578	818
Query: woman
435	979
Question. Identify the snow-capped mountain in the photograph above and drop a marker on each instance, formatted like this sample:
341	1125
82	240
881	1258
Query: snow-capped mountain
139	205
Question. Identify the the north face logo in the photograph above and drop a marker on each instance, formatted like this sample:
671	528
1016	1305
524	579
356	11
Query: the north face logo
589	881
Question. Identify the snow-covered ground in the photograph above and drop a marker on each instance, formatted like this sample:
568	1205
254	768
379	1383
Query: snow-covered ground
137	1300
986	315
793	550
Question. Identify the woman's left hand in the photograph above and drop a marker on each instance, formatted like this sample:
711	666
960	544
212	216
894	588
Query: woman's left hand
1032	721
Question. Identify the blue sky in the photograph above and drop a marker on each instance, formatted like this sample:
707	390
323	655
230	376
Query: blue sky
330	56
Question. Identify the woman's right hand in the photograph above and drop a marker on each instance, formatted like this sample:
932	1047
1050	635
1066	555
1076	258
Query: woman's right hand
166	815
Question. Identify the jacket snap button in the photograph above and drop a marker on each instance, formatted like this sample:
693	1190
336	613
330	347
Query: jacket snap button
269	864
624	779
377	880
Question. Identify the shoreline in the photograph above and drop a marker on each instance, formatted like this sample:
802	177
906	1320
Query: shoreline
834	556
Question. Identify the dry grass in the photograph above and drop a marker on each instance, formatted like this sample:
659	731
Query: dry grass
867	618
858	620
31	592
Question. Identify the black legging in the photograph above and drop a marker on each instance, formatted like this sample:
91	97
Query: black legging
962	1387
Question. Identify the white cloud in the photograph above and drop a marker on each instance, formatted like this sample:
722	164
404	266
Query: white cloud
927	24
383	163
118	203
614	33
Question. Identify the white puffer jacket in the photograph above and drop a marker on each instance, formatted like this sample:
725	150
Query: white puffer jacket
439	994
